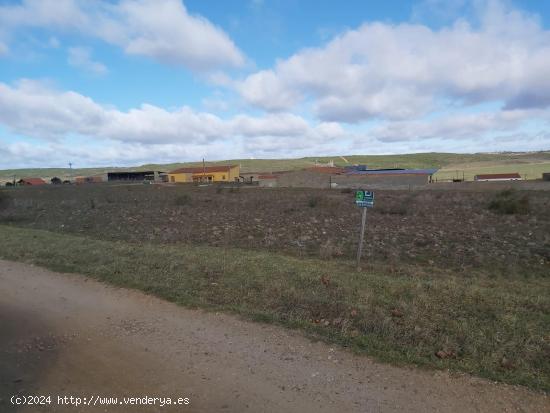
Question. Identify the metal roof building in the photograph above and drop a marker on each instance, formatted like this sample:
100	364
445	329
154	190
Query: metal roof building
393	171
498	177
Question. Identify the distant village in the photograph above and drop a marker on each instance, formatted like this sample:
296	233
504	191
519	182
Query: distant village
317	176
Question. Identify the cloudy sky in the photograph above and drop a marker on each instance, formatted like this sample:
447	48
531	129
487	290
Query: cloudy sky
125	82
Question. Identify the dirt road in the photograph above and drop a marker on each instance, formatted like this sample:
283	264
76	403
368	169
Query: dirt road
66	335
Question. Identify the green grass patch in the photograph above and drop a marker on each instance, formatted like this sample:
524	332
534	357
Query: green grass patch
491	326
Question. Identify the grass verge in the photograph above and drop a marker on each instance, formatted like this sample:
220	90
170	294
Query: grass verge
493	327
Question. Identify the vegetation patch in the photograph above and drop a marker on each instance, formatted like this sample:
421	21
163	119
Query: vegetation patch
509	202
489	325
313	201
184	199
4	200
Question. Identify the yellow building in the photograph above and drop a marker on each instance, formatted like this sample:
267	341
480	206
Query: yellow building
225	173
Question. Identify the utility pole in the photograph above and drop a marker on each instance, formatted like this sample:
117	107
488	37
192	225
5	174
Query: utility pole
361	237
363	199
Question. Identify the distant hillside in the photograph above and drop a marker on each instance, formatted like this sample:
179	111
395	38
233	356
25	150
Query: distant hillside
531	164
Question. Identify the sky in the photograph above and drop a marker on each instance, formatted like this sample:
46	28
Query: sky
129	82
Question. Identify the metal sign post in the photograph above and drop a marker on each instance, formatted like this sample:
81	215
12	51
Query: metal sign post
363	199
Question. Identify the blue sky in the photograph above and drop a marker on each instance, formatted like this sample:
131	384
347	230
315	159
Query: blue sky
126	82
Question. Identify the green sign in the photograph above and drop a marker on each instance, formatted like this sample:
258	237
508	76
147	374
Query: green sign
364	199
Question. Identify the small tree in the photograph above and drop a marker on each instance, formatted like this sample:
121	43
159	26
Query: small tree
55	180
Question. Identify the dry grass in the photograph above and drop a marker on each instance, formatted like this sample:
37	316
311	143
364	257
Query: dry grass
495	327
509	202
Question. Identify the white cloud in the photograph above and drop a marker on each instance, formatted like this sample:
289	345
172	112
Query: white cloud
33	109
160	29
81	57
3	49
271	125
107	153
164	30
406	71
269	91
458	127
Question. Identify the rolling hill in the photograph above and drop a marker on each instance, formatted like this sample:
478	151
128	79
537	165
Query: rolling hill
529	164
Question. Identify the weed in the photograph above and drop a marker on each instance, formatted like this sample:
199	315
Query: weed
313	201
4	200
396	209
329	249
509	202
184	199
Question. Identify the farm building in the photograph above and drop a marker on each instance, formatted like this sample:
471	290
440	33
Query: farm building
222	173
305	178
331	170
330	177
498	177
88	179
135	176
392	178
31	181
251	177
267	181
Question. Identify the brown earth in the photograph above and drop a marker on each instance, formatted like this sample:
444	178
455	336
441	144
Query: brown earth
444	228
69	335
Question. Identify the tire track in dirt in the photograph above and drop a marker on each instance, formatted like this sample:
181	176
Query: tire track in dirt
70	335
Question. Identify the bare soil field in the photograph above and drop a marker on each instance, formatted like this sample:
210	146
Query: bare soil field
456	280
441	228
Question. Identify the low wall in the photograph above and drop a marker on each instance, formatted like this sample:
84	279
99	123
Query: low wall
388	181
304	179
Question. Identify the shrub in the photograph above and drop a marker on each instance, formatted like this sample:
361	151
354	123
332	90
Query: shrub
393	209
4	200
182	200
313	201
509	202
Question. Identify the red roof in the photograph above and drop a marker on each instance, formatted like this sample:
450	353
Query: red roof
326	169
514	175
33	181
200	169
